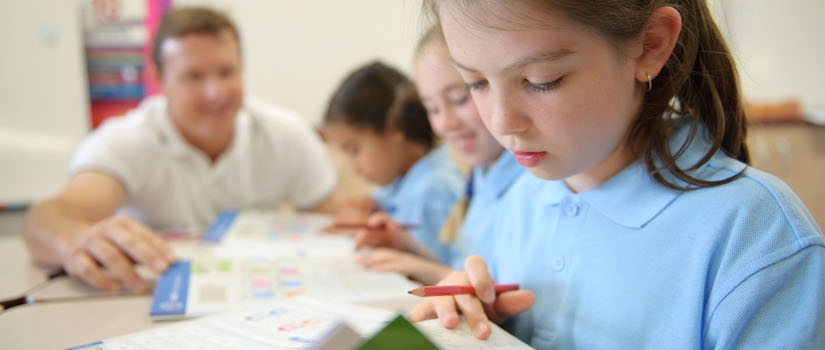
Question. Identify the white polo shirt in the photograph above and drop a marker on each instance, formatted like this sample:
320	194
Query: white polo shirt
274	157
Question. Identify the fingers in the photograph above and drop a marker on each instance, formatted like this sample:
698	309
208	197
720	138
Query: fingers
480	278
82	266
474	312
365	238
446	311
373	257
512	303
155	240
422	312
107	251
116	262
139	247
379	219
385	260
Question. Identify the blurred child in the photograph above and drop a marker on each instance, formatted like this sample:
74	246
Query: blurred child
454	119
377	119
647	228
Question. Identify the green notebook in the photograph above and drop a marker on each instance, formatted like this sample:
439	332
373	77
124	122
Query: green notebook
399	334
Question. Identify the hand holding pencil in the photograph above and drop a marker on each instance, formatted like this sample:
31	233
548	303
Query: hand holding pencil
435	291
382	231
479	307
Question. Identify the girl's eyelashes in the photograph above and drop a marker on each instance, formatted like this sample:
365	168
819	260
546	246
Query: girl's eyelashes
461	100
543	87
476	85
532	87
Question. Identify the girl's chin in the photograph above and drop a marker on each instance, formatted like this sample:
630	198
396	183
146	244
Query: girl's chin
546	174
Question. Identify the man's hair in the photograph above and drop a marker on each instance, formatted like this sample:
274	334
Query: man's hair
189	20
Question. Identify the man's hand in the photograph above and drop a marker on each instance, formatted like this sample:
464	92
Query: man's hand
104	255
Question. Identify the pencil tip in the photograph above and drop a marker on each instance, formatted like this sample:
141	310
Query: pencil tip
419	292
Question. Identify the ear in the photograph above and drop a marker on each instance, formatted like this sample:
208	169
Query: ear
396	136
658	39
156	73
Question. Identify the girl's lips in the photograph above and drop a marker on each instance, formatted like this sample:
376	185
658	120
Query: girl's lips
529	159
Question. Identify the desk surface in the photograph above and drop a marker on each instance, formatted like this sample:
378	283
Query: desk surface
66	324
61	324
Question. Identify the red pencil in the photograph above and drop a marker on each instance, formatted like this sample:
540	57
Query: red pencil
365	226
433	291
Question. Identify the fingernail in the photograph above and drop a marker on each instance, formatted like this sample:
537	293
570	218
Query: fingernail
171	257
159	266
481	329
489	297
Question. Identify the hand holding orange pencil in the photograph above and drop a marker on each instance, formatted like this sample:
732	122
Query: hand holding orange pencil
488	301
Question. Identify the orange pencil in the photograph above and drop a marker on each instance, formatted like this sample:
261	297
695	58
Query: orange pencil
365	226
433	291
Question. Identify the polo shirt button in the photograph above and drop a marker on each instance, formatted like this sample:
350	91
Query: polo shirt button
571	209
558	263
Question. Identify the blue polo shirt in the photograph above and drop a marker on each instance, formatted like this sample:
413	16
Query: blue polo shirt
424	196
632	264
487	189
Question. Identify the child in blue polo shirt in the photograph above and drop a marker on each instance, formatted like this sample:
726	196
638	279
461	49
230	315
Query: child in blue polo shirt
454	119
377	118
645	228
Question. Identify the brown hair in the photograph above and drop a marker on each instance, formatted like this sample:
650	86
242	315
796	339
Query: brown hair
189	20
699	82
380	98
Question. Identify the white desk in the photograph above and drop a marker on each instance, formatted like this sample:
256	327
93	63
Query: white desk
72	323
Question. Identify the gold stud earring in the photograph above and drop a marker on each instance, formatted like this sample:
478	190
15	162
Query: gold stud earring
649	83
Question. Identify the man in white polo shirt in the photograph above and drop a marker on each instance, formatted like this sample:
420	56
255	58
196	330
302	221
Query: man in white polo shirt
176	161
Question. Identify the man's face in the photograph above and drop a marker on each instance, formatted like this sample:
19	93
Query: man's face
201	79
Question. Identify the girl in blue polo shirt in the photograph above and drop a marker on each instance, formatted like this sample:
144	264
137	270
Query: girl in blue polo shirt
454	119
377	118
646	228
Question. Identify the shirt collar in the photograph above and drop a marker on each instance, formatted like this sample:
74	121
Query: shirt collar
419	168
632	198
423	165
498	178
178	146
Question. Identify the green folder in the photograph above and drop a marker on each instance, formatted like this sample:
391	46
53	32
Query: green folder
399	334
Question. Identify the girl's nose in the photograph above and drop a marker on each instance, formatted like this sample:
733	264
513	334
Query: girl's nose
506	115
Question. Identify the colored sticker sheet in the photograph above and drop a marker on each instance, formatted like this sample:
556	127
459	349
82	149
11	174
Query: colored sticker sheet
257	257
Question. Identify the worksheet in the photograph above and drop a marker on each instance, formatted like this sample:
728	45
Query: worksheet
295	323
259	257
462	337
306	323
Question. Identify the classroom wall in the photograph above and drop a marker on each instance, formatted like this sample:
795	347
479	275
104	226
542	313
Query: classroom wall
295	52
779	50
43	100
